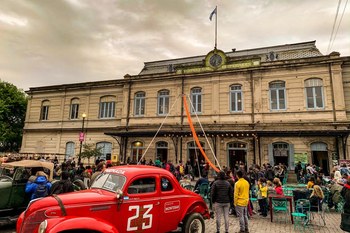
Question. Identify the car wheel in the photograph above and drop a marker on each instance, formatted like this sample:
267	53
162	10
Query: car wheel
78	185
194	223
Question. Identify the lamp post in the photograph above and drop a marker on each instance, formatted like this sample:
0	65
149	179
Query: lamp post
81	137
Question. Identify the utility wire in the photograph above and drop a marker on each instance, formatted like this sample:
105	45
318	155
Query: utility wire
346	3
335	20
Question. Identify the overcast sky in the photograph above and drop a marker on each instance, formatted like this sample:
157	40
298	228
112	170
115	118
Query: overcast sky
69	41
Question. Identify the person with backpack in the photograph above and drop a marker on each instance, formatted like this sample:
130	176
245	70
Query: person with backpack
39	188
181	169
62	186
169	167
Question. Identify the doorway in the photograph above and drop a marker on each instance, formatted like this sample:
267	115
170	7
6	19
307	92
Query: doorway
236	153
136	152
162	151
319	155
281	153
194	152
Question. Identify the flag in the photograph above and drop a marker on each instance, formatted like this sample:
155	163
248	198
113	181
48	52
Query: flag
212	13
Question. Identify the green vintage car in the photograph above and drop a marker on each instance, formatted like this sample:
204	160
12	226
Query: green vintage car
13	179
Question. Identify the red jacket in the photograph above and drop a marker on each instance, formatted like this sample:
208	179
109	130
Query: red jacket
279	190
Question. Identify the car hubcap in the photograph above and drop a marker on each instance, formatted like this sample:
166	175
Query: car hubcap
196	226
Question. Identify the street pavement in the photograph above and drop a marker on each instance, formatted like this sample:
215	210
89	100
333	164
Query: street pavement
256	225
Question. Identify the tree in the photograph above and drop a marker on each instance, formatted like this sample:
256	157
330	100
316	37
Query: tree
90	150
13	105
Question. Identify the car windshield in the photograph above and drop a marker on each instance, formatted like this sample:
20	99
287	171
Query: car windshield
110	182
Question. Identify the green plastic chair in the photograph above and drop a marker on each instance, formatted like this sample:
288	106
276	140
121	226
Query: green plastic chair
189	187
325	203
279	205
302	216
255	198
339	206
204	191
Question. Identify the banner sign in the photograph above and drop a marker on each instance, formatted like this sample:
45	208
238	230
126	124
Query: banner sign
346	161
302	157
81	137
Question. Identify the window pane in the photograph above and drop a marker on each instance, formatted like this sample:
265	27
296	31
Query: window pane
281	99
194	103
310	97
165	185
76	111
199	109
143	185
233	101
166	104
113	109
137	107
142	106
239	101
160	107
273	99
319	101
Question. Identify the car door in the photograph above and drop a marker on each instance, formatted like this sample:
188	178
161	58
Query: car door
18	196
141	205
171	202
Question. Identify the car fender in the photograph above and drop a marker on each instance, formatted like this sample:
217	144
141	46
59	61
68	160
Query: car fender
197	206
55	225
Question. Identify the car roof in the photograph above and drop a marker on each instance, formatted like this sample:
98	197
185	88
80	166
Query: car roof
134	170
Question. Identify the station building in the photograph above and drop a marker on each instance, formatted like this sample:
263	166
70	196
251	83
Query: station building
273	104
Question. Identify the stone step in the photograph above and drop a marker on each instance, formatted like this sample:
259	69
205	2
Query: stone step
292	177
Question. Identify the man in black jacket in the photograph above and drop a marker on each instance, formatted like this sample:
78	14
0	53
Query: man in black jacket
269	174
222	196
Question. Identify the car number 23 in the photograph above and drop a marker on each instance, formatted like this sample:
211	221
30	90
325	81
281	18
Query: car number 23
136	222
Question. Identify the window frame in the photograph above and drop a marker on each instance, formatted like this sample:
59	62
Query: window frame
314	98
44	112
236	92
163	97
141	100
76	115
195	103
277	89
108	109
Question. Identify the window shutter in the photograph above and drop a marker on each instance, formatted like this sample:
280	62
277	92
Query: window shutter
271	160
291	157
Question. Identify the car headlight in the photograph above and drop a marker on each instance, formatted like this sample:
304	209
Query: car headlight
42	227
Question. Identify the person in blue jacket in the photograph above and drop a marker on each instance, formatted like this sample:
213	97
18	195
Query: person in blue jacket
41	186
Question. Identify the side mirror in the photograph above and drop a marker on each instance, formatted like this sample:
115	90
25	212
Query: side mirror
119	194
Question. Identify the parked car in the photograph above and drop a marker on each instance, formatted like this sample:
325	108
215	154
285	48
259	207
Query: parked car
122	199
13	179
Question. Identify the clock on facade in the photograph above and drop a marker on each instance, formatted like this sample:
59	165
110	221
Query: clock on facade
215	60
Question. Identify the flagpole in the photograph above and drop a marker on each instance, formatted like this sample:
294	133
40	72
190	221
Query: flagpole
216	26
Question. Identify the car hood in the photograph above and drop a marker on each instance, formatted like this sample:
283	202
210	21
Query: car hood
91	195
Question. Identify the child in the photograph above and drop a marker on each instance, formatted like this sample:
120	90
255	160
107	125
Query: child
278	186
262	195
311	183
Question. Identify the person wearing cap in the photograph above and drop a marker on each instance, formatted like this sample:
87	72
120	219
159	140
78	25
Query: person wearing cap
222	196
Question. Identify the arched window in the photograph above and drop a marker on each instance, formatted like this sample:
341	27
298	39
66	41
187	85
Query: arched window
236	98
277	96
70	149
314	93
106	149
136	151
107	107
140	99
74	108
196	98
45	110
163	102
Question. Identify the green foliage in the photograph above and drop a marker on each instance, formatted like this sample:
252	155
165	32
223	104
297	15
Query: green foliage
90	150
13	105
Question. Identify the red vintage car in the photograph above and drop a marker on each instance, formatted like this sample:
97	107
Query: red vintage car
122	199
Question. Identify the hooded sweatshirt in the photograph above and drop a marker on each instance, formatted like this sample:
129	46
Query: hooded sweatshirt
279	190
31	187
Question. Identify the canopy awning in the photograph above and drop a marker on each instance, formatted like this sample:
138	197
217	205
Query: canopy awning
31	163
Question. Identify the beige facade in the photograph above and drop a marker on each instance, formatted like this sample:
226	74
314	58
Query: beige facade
291	100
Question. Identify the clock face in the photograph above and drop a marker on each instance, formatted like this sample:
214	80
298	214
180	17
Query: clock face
215	60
